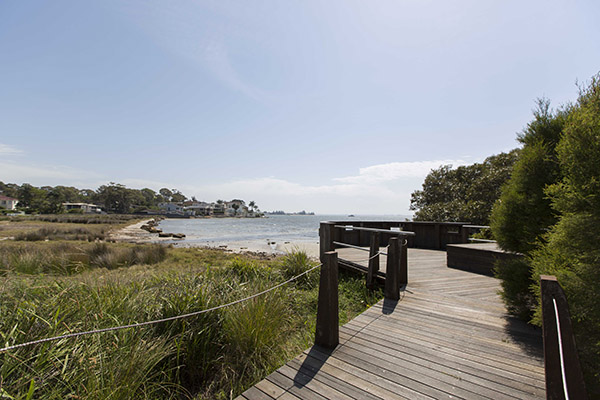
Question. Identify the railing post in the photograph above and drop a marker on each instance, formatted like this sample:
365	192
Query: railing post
464	234
327	332
561	362
326	231
373	260
403	277
392	281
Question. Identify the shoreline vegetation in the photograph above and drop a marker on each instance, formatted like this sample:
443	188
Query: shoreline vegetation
77	275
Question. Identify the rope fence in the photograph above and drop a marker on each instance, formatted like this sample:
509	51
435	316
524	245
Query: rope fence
157	321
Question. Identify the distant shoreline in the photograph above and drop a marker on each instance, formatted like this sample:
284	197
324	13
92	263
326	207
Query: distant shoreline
134	234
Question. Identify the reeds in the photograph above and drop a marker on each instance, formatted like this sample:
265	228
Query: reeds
212	355
67	258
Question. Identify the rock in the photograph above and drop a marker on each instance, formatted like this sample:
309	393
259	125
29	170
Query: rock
163	234
179	235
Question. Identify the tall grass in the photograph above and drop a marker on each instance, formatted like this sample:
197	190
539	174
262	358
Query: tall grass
212	355
62	233
67	258
76	218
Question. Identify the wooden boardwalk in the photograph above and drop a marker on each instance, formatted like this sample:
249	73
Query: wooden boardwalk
447	337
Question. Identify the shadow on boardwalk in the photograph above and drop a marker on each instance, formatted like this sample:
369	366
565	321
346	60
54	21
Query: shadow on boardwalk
448	336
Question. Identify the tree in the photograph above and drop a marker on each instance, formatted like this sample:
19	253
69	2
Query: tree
177	196
465	194
166	194
571	250
235	207
523	213
116	198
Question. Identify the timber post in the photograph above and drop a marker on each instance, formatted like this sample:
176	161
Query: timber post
392	281
326	232
403	277
327	332
373	260
564	378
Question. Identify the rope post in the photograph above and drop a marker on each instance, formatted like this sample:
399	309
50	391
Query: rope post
327	332
564	378
403	278
373	260
392	281
326	232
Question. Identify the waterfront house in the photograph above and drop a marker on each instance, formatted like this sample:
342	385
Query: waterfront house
8	203
84	207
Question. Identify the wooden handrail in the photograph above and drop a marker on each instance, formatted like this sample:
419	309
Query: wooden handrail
564	378
386	231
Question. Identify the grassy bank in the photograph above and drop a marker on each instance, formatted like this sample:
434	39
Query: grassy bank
63	226
52	288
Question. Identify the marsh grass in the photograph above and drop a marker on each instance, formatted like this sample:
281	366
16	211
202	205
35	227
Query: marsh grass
212	355
67	258
111	219
66	233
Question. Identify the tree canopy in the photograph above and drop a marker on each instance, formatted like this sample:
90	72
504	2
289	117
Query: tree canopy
466	193
113	197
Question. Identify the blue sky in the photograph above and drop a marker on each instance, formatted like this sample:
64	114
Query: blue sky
333	107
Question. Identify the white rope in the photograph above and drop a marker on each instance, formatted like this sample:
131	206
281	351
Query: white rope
115	328
560	351
370	258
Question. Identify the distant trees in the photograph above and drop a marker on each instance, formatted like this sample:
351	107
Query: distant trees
466	193
113	197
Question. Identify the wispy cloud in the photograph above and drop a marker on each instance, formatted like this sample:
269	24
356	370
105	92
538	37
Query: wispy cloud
183	29
46	174
397	170
8	150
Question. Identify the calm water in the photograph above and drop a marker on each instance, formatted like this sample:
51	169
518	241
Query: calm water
275	227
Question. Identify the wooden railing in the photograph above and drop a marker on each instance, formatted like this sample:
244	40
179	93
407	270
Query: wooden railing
428	235
564	378
327	328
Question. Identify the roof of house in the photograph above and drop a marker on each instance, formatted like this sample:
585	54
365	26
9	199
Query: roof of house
7	198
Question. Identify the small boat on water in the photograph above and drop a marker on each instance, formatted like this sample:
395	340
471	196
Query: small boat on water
351	215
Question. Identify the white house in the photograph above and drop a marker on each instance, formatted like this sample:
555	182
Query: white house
85	207
199	208
171	207
8	203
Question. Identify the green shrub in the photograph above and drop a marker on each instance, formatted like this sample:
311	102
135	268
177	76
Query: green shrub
571	248
523	213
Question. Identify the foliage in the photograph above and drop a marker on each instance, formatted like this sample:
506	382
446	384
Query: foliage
523	212
571	248
212	355
464	194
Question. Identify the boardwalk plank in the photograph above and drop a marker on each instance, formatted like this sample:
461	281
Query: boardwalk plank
447	337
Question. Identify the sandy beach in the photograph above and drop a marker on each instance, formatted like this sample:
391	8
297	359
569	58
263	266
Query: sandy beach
134	234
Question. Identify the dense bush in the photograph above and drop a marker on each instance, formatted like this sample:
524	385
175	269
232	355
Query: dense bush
550	212
571	249
523	213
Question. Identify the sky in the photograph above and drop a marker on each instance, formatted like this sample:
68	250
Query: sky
326	106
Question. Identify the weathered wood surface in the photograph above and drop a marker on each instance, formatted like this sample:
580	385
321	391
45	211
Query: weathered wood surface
476	257
447	337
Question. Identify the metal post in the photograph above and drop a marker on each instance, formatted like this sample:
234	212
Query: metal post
327	332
